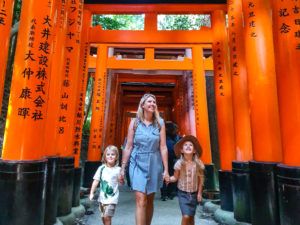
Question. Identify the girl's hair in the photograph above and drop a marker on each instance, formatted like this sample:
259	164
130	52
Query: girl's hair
140	111
111	148
199	163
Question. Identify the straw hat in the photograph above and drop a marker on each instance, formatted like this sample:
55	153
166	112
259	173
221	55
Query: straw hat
191	138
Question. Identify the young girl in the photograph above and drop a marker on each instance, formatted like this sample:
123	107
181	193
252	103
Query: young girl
189	174
108	174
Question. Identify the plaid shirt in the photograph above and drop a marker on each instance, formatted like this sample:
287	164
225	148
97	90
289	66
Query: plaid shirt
188	175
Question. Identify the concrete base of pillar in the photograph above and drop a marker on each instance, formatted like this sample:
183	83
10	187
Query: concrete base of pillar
288	182
241	191
263	192
210	182
76	187
225	183
66	183
76	212
22	188
58	222
221	216
52	190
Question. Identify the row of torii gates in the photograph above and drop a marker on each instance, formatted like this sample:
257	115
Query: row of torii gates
257	88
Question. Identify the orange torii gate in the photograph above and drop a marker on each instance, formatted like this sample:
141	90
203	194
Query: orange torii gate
246	67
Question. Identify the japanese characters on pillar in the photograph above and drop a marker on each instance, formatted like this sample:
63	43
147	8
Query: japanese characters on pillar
223	94
180	105
220	90
190	106
110	118
57	72
69	88
200	104
6	14
263	101
286	28
99	91
251	15
29	91
240	100
83	76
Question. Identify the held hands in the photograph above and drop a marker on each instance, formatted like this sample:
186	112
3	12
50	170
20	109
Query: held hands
122	174
121	177
166	177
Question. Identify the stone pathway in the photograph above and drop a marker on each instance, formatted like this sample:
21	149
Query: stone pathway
165	212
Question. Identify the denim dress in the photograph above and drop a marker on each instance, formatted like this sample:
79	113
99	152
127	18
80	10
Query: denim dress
145	169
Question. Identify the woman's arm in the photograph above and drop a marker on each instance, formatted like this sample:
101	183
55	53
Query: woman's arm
127	149
175	177
164	152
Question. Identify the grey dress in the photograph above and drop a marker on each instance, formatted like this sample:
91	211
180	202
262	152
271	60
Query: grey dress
145	169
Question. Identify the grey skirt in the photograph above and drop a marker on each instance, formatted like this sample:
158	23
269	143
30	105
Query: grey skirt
187	202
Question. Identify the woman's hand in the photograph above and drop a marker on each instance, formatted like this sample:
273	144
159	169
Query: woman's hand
122	176
199	197
166	177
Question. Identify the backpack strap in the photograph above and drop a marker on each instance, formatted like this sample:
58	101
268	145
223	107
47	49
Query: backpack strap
101	171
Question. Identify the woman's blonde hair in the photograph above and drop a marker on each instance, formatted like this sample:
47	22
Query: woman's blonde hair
140	111
111	148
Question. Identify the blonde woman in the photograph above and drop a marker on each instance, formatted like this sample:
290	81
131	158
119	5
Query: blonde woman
147	151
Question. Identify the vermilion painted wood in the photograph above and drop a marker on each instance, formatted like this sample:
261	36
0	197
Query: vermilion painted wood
265	128
288	79
223	91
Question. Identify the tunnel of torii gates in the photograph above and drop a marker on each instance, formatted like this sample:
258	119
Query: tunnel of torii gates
256	81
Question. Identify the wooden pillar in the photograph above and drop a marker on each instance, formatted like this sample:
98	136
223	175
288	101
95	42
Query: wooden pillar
98	106
265	127
29	91
222	82
83	76
200	104
286	28
286	16
23	169
111	96
189	106
70	79
240	99
98	112
264	116
241	113
6	14
57	74
223	90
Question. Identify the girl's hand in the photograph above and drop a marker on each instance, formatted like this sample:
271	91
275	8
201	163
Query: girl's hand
91	196
199	197
122	176
166	177
121	179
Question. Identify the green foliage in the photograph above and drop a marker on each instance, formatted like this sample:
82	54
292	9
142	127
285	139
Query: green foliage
165	22
17	11
86	127
119	22
182	22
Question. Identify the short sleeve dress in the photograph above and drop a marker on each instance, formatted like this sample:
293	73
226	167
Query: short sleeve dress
145	169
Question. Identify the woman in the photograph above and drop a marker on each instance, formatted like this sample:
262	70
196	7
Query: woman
147	151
